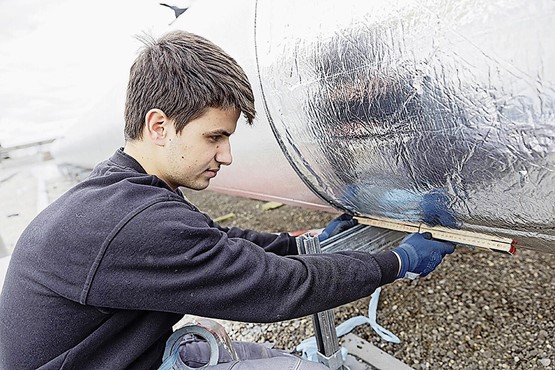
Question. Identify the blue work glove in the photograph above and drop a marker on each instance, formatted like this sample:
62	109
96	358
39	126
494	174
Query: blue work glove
420	254
436	209
341	223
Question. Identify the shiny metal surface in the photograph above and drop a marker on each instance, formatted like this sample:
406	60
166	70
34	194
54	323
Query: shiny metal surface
433	111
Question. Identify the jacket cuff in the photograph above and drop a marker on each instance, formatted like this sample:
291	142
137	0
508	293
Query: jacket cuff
389	264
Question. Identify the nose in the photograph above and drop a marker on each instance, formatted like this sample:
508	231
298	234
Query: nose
223	155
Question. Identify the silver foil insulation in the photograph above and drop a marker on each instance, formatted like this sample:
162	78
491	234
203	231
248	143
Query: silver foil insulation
431	111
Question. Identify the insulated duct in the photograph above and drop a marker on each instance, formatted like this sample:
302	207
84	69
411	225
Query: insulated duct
426	111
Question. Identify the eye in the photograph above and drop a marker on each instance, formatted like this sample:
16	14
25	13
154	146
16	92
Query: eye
214	138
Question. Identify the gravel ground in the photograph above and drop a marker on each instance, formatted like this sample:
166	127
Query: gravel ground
478	310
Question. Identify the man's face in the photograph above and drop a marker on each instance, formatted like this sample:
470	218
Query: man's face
195	155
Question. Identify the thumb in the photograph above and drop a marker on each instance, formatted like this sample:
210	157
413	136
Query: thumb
447	247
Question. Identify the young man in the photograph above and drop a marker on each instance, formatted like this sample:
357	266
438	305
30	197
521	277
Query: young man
98	279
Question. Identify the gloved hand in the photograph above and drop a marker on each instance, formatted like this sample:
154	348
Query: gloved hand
339	224
436	209
421	254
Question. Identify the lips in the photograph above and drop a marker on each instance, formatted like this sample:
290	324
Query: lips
212	172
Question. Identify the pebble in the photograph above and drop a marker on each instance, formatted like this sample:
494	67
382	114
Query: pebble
545	362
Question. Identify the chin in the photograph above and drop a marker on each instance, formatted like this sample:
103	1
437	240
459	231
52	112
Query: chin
197	186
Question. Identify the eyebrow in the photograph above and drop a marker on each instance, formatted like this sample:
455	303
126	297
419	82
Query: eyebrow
218	132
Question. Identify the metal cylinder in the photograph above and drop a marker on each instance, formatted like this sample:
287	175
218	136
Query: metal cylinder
428	111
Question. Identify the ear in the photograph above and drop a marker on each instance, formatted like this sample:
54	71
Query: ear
156	126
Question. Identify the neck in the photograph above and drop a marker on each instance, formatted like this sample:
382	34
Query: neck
142	154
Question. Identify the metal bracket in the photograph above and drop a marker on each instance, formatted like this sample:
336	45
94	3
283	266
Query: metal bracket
334	362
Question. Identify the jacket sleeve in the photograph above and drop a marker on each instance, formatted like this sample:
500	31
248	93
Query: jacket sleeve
281	244
169	258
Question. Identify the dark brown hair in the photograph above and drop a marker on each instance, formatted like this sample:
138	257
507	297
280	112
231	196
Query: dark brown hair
183	74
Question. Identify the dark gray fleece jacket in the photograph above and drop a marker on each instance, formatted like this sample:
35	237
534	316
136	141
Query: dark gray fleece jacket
100	276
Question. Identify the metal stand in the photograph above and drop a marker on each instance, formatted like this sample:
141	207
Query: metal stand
329	353
362	238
